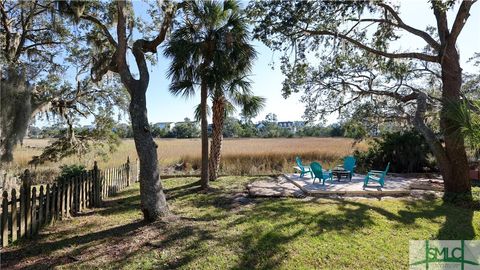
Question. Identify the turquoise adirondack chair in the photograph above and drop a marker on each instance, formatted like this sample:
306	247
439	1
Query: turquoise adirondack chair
376	176
303	169
349	165
319	173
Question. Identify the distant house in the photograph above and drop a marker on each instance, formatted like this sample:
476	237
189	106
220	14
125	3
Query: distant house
294	126
286	124
260	126
164	125
299	124
186	122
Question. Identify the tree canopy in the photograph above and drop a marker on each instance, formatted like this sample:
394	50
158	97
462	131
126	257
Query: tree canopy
44	74
347	54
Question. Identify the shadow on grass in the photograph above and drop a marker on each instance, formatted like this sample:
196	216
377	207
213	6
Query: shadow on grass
458	224
264	246
258	234
120	205
184	190
11	257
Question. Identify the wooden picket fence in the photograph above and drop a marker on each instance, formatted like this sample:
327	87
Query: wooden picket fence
25	212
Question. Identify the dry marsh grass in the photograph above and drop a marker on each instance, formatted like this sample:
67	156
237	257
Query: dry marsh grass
239	156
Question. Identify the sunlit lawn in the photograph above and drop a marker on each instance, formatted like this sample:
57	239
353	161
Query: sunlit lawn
222	229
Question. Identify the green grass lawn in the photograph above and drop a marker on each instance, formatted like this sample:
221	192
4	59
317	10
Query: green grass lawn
222	229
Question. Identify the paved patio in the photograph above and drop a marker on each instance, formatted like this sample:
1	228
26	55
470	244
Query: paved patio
394	186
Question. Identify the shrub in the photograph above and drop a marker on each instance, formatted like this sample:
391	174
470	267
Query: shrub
406	151
70	171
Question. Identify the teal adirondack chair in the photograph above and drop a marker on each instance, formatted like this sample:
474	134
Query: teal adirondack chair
376	176
319	173
349	165
303	169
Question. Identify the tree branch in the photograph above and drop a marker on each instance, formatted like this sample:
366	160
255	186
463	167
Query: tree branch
142	46
4	21
442	23
121	52
25	27
424	35
141	63
102	27
41	43
430	137
151	46
460	20
420	56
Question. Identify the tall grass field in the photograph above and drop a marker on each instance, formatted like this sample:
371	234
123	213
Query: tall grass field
182	156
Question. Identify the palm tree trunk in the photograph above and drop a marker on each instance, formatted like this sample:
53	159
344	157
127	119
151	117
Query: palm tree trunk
218	119
204	131
153	202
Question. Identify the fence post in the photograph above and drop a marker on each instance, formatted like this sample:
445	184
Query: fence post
41	207
138	170
5	219
59	201
47	205
27	188
54	204
96	185
89	190
22	211
128	171
82	204
34	212
74	205
14	215
67	197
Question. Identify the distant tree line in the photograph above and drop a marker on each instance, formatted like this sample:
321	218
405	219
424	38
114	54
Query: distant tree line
232	128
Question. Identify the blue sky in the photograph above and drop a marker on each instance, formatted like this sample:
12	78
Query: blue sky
267	78
162	106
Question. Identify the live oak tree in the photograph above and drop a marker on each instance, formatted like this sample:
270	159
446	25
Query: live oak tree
36	53
97	20
344	54
28	49
102	102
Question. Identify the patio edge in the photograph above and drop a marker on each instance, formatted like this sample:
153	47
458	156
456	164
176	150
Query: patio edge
319	193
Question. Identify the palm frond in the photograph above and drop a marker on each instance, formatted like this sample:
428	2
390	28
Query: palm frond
214	31
185	88
466	116
197	114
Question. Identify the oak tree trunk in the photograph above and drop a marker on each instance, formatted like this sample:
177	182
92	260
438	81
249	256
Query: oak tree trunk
204	131
153	201
455	172
15	111
218	118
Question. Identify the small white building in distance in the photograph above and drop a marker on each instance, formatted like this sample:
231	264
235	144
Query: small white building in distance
164	125
291	125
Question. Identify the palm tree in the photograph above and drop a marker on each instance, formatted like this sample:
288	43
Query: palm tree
225	97
207	49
